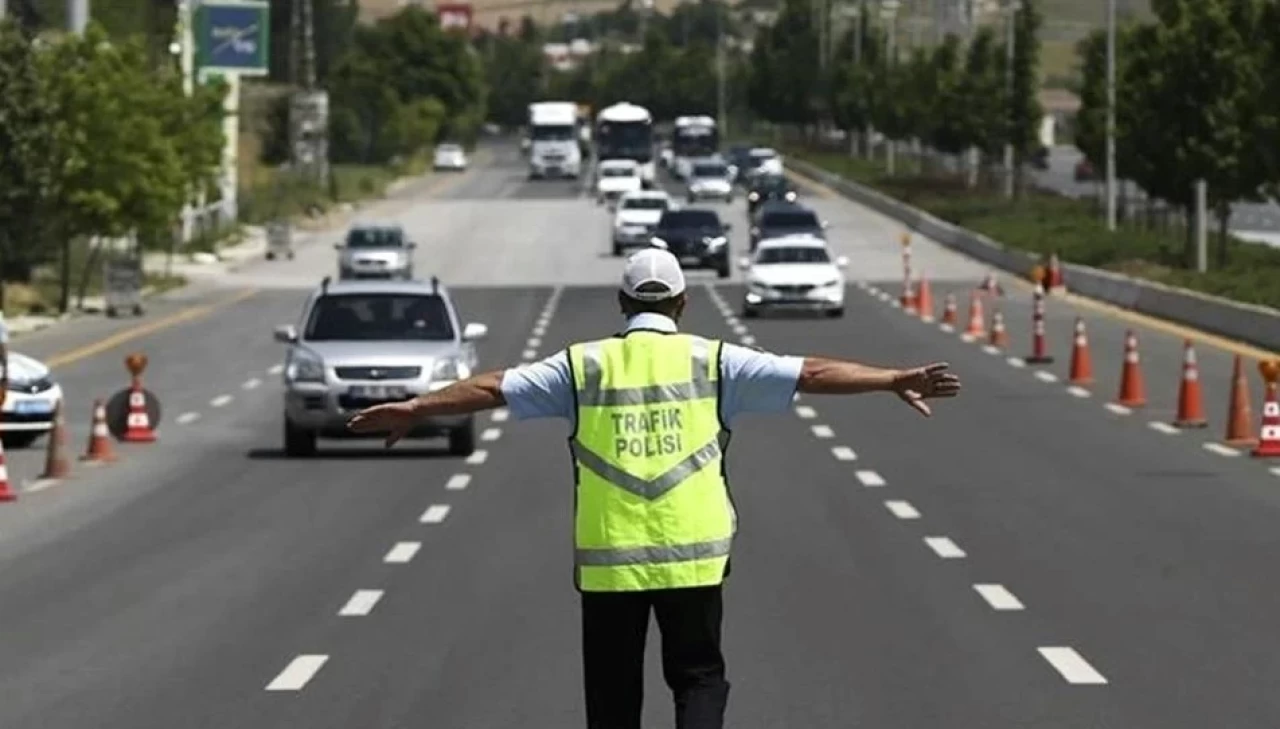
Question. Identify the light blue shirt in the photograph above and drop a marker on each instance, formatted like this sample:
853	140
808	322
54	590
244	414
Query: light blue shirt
752	381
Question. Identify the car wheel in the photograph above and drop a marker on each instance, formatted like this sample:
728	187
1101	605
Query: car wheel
271	256
750	312
837	313
21	439
298	443
691	199
462	441
722	270
617	248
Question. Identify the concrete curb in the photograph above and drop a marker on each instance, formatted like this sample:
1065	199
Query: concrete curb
1257	325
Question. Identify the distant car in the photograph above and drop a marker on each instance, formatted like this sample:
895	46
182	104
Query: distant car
363	343
1084	171
450	157
636	218
30	402
761	160
794	272
775	219
738	155
709	178
375	251
697	237
766	188
616	177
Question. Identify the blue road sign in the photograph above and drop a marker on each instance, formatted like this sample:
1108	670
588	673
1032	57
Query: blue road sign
233	37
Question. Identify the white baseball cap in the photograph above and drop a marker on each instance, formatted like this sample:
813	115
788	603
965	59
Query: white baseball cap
652	274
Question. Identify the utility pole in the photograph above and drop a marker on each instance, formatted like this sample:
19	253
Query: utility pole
1111	115
889	11
1011	11
77	15
721	115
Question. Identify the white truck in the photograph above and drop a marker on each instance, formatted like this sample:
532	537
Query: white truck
553	140
625	131
692	137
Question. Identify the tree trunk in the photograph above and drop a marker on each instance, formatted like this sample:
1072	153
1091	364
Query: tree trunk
90	264
64	276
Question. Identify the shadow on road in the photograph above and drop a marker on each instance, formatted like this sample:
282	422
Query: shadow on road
348	454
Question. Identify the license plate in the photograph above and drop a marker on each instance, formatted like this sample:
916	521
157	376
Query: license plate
378	392
32	407
690	260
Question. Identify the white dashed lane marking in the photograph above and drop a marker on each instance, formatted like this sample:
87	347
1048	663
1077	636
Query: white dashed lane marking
944	547
902	509
998	597
478	457
1046	376
1221	450
844	453
361	603
529	354
458	481
402	552
823	431
1275	472
1073	667
276	369
748	340
990	349
220	400
500	416
251	383
1118	409
490	434
806	412
435	514
298	673
1162	428
185	418
870	479
1016	362
1078	391
534	342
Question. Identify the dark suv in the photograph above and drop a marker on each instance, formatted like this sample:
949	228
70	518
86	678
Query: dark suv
774	219
697	237
766	188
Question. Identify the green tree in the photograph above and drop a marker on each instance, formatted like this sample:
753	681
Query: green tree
515	74
983	94
785	85
1024	112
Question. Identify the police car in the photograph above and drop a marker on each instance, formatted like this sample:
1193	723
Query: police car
30	402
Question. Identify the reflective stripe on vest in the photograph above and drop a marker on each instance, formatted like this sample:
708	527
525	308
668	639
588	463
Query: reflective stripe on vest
652	507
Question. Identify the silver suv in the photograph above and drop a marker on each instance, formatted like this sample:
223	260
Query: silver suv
375	251
368	342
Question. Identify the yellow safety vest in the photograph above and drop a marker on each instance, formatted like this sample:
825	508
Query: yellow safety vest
652	507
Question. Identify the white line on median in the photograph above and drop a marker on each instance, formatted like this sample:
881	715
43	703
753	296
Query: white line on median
435	514
458	481
806	412
491	434
1118	409
276	369
296	675
1221	449
185	418
402	552
902	509
1046	376
251	383
1078	391
1073	667
870	479
478	457
361	603
944	547
1163	428
823	431
220	400
500	415
844	453
998	597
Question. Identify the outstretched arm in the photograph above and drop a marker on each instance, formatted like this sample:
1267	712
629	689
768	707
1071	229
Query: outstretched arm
396	419
828	376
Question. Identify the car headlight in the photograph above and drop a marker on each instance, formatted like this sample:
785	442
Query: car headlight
715	241
833	283
756	285
450	368
657	242
304	366
791	196
753	196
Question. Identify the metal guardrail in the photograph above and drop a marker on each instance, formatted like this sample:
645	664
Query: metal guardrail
1257	325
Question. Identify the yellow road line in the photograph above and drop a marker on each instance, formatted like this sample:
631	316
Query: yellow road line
1184	331
127	335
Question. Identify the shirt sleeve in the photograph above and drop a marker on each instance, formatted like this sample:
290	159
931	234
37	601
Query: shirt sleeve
756	381
542	389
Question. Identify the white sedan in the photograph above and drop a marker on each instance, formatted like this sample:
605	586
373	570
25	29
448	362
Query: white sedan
450	157
30	402
794	272
637	215
615	178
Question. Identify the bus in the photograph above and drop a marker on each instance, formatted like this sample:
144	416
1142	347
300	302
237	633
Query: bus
625	131
553	140
692	137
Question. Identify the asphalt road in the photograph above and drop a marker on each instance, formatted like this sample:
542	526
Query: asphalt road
1025	558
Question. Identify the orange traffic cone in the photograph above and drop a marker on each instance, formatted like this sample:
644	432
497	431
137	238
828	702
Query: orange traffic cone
949	310
908	300
1190	400
1056	282
138	426
1132	392
1240	430
1081	360
55	464
1269	439
924	303
976	328
99	450
999	337
6	493
1039	346
990	285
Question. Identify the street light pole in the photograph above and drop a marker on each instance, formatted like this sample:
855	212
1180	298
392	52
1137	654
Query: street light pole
1111	115
721	120
1011	9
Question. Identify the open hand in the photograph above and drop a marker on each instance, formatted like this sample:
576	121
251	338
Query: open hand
916	385
395	419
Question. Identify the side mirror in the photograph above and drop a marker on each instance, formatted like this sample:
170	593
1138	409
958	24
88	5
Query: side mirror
285	334
728	227
473	331
744	263
842	262
411	245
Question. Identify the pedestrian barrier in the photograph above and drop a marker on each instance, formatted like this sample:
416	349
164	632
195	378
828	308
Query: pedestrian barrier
1132	391
1269	437
1240	430
1081	359
55	464
99	448
1190	398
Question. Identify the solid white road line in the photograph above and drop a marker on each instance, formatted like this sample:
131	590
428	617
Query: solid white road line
902	509
500	415
491	434
844	453
944	547
998	597
458	481
870	479
823	431
251	383
220	400
276	369
529	354
1016	362
298	673
478	457
402	552
435	514
1046	376
361	603
1221	449
806	412
1163	428
1073	667
185	418
1078	391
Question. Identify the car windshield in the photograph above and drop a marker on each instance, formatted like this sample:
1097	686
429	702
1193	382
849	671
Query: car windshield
690	219
771	184
798	219
644	203
449	148
375	238
379	318
553	132
710	170
798	254
617	171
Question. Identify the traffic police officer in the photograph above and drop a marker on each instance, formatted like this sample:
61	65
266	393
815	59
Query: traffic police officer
654	521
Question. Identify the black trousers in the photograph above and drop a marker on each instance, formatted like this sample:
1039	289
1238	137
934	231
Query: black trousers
614	625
